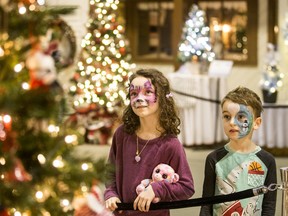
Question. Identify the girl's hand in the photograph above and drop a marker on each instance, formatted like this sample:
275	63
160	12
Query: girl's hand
144	199
111	203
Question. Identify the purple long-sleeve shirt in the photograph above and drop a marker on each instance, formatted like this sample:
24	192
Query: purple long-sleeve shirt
129	173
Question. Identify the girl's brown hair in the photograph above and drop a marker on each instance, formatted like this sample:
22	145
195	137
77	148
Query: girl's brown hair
168	119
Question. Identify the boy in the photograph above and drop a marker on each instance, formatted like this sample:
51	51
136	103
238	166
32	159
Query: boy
240	164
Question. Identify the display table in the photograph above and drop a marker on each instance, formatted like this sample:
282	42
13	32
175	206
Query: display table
273	132
198	98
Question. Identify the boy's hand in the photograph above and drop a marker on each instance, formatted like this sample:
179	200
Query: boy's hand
111	203
144	199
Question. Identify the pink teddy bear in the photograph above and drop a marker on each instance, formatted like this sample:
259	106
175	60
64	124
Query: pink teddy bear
162	172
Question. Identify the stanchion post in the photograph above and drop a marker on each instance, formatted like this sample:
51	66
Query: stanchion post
284	179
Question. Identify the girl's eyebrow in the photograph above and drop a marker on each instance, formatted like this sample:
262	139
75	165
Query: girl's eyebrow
131	86
147	84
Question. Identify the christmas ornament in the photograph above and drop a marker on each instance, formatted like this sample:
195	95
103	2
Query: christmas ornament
42	69
94	205
3	212
63	47
17	173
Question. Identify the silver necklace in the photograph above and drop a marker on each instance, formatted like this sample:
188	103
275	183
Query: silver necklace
137	157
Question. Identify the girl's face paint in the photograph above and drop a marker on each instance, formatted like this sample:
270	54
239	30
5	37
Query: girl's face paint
142	93
239	115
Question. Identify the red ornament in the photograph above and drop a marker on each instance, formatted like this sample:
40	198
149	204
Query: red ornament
8	138
122	50
4	213
18	173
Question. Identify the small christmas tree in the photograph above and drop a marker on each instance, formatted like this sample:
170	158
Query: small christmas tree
271	76
38	173
195	41
102	74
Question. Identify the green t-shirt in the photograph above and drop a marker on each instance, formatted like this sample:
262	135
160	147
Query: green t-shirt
238	172
228	172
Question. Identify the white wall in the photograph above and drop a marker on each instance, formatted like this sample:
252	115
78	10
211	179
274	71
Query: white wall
283	49
78	19
240	75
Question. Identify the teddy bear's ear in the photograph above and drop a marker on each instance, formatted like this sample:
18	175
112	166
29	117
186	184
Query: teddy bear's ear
175	178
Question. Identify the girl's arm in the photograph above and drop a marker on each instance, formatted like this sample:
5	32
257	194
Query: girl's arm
175	156
110	184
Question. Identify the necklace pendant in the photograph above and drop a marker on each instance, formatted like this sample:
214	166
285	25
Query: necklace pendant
137	158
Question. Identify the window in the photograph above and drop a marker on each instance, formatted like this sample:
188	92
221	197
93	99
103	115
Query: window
154	28
232	32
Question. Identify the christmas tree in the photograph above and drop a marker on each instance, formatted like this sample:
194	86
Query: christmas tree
272	77
39	175
100	82
195	40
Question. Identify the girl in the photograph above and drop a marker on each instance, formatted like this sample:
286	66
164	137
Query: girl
147	137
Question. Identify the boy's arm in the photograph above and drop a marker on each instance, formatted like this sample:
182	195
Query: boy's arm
208	186
269	201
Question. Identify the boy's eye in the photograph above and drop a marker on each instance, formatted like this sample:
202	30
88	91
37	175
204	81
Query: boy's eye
226	117
164	176
242	118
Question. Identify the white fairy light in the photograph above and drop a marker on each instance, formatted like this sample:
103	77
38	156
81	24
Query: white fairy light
58	162
25	86
71	139
18	67
39	195
22	10
84	166
41	158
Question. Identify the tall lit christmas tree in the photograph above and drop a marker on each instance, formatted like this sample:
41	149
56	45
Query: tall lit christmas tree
99	88
195	41
39	175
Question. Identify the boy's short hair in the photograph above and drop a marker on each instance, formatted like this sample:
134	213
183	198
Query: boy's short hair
246	96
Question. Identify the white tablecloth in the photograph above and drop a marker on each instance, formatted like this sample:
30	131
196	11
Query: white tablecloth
273	131
201	118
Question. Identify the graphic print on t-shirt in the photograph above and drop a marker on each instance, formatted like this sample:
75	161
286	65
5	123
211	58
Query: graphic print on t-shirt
248	174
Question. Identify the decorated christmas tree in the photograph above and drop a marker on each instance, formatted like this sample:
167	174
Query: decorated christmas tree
100	82
271	76
195	41
39	172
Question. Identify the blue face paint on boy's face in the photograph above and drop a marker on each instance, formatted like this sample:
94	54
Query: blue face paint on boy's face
237	120
244	120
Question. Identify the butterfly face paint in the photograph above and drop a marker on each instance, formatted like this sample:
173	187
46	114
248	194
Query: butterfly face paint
142	96
243	119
